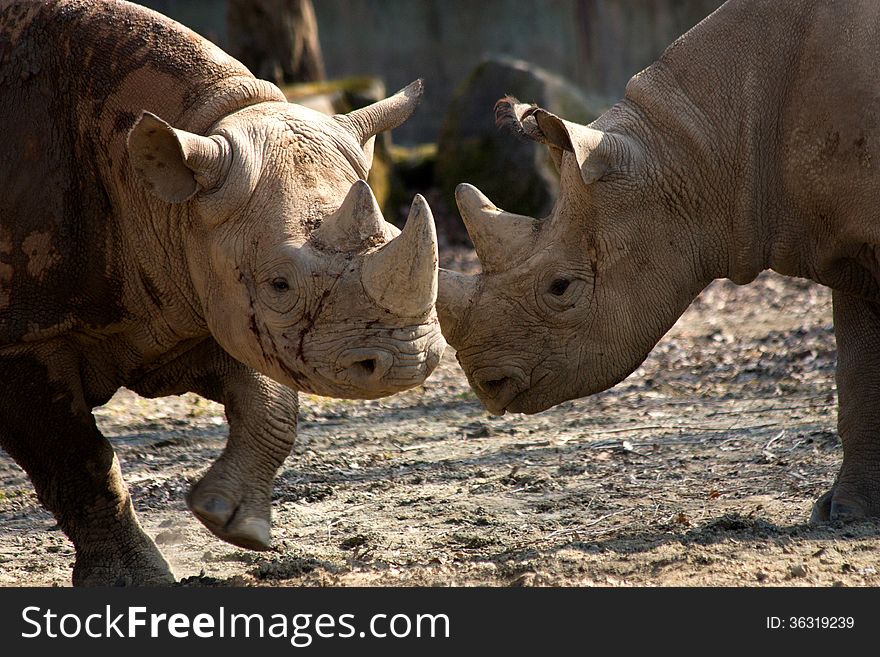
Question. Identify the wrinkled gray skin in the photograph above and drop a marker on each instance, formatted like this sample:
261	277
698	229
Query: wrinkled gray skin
169	223
749	145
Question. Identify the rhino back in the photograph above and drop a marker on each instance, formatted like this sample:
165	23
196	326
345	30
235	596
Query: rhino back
786	88
76	76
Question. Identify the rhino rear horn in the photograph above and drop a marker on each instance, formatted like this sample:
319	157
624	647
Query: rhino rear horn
500	238
383	115
402	276
357	221
176	164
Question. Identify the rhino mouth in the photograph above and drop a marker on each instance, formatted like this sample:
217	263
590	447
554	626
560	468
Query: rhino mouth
507	389
526	403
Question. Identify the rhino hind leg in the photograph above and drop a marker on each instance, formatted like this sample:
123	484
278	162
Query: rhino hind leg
234	497
50	432
856	491
134	561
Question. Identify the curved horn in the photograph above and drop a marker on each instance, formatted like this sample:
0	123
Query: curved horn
455	294
500	238
384	114
402	275
357	221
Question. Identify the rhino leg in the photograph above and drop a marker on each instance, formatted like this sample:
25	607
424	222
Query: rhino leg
856	491
46	426
234	498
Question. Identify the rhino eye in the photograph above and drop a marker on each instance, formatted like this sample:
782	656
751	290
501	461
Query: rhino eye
280	285
559	286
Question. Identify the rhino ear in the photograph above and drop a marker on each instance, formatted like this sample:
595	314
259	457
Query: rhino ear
594	151
597	153
556	156
368	148
176	164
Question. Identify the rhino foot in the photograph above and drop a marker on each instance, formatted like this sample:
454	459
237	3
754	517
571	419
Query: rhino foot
235	512
117	575
833	506
140	566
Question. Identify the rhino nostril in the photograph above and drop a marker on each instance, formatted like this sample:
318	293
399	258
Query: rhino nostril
365	367
493	387
366	364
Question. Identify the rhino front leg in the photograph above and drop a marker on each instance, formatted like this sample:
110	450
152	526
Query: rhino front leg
856	491
234	498
49	430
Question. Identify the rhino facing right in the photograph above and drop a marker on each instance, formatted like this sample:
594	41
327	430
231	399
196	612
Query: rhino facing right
169	223
751	144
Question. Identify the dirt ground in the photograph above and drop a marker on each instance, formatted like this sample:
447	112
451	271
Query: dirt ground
698	470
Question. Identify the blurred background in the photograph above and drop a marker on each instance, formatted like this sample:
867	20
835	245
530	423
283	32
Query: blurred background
572	57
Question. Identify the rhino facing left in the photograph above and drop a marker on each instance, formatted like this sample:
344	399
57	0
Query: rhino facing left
169	223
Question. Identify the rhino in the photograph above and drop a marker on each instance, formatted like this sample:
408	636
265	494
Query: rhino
748	145
170	223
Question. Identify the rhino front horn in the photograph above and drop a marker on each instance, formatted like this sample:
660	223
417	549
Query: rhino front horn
500	238
356	221
402	275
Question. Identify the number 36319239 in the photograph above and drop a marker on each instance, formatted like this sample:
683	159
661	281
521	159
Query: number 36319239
810	623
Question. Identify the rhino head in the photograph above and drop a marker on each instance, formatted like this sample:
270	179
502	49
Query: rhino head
297	273
570	304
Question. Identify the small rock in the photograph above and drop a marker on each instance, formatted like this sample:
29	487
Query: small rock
480	430
828	556
354	542
799	570
170	537
526	579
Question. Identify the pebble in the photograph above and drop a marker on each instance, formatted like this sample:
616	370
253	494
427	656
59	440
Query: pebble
799	570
